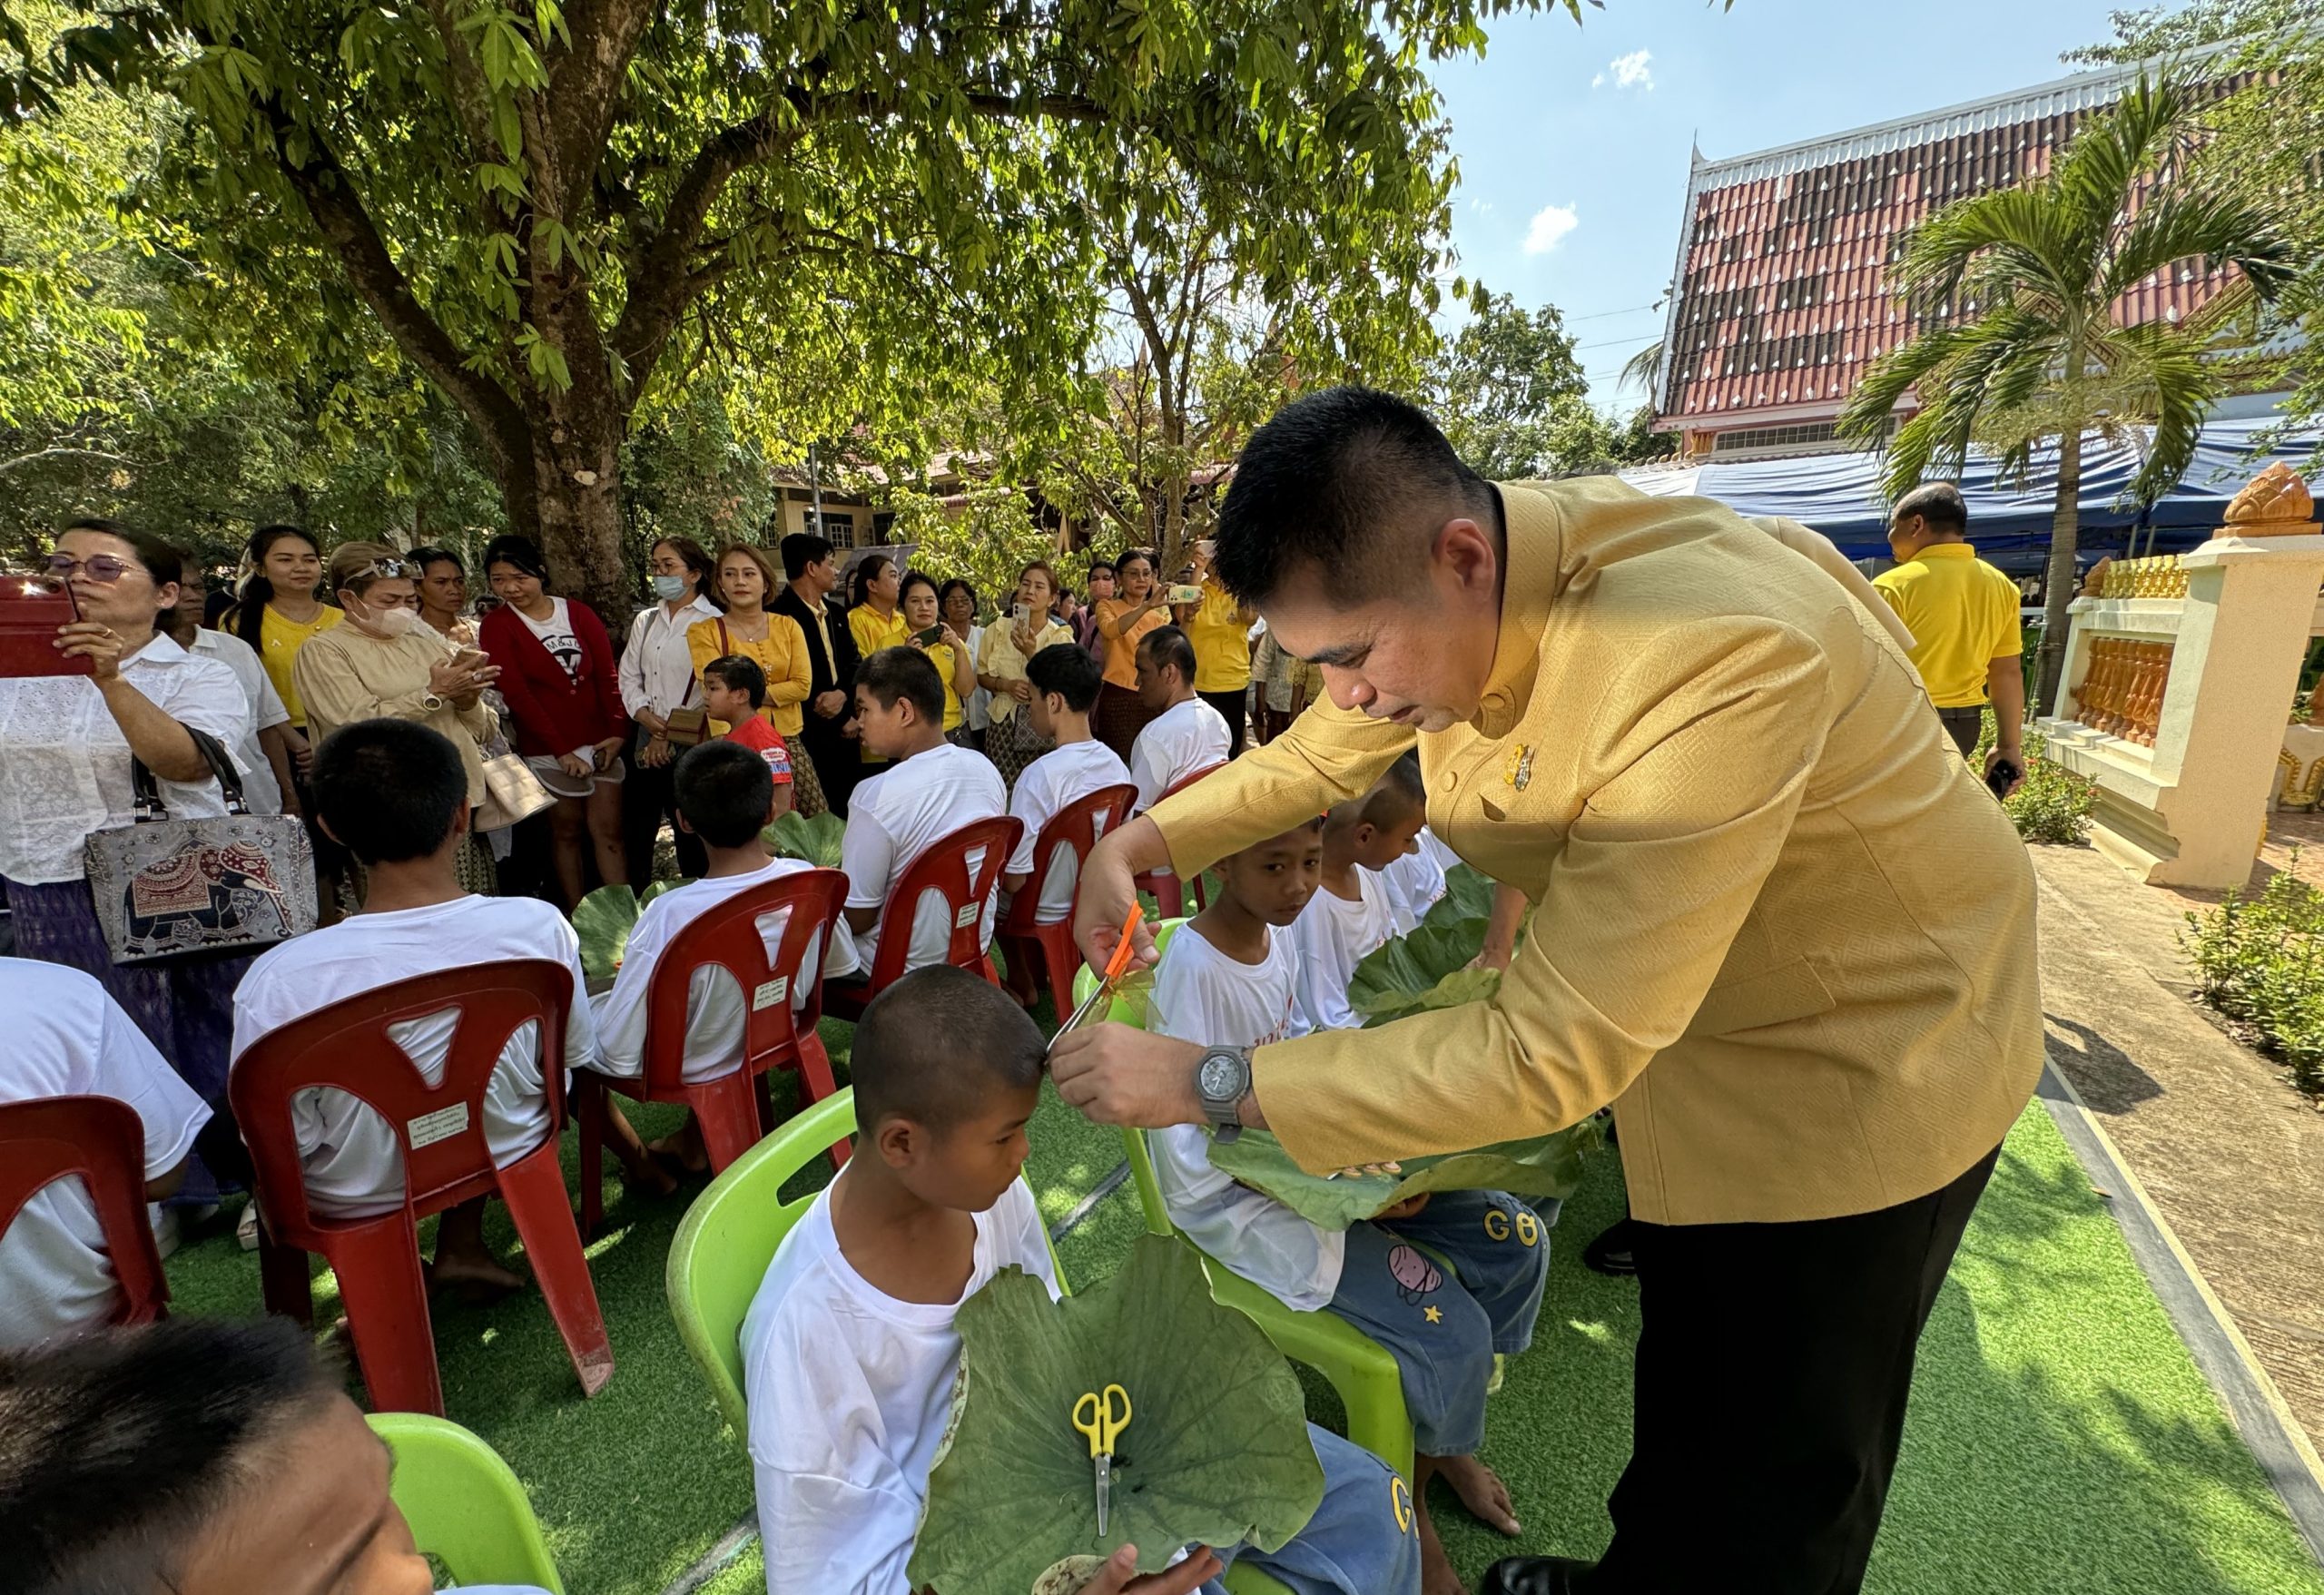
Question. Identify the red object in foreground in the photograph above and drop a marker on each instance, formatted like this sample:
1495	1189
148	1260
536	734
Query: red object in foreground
33	609
732	1109
1169	896
103	1141
944	868
1048	949
441	1132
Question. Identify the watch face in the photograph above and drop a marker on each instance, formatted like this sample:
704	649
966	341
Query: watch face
1222	1078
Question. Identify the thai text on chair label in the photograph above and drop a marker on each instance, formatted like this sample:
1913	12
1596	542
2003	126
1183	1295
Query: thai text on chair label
770	992
966	917
439	1126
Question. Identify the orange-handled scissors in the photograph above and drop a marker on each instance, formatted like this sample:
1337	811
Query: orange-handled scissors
1119	961
1093	1416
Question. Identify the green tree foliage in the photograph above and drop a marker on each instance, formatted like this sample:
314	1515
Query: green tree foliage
1512	398
2036	356
550	211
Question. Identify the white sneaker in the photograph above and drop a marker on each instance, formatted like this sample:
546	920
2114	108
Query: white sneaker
246	1227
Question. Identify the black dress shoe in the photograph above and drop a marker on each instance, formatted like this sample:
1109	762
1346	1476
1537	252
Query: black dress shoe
1609	1253
1533	1575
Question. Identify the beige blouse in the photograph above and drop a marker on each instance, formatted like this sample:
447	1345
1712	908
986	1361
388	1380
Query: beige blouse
345	676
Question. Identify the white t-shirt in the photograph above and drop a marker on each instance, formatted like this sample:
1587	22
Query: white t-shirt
899	814
1202	995
1176	743
850	1391
1051	782
259	789
67	1039
714	1001
353	1161
1414	883
64	763
556	635
1329	938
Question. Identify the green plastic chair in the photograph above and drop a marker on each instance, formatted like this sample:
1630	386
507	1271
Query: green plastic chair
1359	1367
728	1238
466	1507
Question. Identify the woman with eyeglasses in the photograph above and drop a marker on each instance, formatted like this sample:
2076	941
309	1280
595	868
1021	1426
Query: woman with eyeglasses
279	613
1143	607
66	743
387	664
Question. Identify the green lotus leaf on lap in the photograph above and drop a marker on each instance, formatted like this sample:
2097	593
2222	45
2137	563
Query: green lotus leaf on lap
816	841
1544	1166
1217	1450
604	920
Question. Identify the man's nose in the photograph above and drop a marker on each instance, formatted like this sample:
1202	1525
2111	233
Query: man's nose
1348	690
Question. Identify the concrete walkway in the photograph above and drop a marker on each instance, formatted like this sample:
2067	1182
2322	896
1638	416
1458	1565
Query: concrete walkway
2232	1157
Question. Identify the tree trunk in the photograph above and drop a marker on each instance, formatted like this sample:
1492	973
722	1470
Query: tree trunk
576	479
2065	527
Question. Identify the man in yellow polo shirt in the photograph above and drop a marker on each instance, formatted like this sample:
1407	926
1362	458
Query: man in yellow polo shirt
1962	612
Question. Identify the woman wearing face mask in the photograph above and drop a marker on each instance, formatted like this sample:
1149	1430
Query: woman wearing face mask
386	663
657	676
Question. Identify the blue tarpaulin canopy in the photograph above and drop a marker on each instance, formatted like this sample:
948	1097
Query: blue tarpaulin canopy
1839	494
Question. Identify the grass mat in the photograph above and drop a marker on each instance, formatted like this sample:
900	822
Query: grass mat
2060	1438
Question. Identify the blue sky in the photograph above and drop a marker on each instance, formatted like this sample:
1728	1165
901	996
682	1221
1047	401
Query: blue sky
1575	139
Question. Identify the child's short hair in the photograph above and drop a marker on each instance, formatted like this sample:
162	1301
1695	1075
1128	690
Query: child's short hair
741	672
1398	794
907	673
389	790
1169	648
935	1046
724	790
1067	670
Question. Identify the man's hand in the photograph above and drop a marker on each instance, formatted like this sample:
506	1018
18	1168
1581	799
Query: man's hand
2016	757
1119	1576
1117	1075
1109	886
831	704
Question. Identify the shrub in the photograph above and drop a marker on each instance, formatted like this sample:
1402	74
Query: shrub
2054	803
2261	961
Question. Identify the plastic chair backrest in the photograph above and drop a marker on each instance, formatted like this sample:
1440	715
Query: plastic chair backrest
943	867
1074	826
728	937
440	1129
1141	1162
103	1141
465	1505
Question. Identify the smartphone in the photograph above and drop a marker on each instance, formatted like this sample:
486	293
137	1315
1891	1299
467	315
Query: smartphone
32	609
2002	776
1185	595
1021	613
931	637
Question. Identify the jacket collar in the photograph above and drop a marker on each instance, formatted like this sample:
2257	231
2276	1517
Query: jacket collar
1533	543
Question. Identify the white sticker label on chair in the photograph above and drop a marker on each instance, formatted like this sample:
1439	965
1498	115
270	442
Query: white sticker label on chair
439	1126
965	918
770	993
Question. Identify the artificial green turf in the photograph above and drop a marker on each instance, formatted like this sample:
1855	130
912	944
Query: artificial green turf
2060	1438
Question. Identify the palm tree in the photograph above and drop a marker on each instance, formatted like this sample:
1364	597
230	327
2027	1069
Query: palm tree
2037	271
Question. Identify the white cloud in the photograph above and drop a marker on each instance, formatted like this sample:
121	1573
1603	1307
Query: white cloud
1550	224
1630	70
1598	82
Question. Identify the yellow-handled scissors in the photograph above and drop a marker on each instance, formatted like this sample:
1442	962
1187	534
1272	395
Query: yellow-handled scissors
1093	1416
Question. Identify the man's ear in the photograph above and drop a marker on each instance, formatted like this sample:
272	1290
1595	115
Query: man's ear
1470	551
678	818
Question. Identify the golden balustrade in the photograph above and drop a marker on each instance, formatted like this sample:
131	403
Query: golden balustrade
2121	695
2159	576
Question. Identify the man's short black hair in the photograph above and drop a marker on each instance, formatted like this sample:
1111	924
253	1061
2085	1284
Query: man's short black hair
739	672
1350	481
801	549
904	673
1938	503
1399	794
724	790
1067	670
1167	646
935	1046
389	790
119	1449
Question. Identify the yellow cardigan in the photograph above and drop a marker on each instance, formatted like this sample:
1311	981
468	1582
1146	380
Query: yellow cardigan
1781	926
782	654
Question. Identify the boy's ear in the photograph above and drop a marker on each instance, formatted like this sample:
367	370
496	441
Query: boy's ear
900	1142
678	818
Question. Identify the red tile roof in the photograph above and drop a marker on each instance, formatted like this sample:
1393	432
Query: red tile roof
1782	300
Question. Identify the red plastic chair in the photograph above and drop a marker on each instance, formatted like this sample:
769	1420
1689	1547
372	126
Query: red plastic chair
441	1132
942	866
730	1109
1049	948
102	1140
1168	894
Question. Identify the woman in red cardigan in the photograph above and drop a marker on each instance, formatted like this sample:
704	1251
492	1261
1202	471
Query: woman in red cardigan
557	674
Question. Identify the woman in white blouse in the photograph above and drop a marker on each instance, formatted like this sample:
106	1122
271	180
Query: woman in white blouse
66	745
657	676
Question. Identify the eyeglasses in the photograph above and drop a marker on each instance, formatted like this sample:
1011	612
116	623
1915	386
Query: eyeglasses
101	567
388	570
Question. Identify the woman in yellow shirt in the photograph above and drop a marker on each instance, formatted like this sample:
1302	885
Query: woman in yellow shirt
873	618
746	581
279	613
949	653
1122	621
1220	629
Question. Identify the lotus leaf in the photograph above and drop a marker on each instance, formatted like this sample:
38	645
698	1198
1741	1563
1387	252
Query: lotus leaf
1217	1450
603	920
1545	1165
1428	967
817	841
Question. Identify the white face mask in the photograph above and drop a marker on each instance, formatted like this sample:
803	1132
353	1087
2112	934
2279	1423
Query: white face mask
391	623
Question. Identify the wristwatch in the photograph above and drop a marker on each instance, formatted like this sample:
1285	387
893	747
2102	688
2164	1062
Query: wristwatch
1223	1078
430	702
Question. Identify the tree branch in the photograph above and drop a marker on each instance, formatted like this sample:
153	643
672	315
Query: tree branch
40	454
585	84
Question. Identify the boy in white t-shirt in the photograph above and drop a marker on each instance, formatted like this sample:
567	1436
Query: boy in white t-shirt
1187	735
1065	680
1229	978
1352	914
66	1037
393	793
726	795
850	1354
1416	878
932	790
